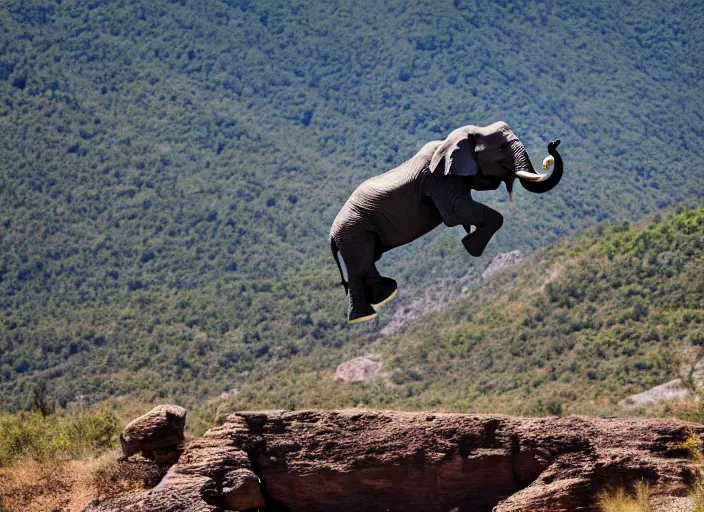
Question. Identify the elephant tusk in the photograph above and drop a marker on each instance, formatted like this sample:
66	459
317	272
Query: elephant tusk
547	164
530	176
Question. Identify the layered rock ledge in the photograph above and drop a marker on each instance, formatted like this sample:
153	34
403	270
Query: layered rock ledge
355	460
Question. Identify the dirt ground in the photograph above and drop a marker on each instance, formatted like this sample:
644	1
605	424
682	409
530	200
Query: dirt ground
48	486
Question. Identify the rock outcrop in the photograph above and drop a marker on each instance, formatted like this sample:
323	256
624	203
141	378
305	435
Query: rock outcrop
502	261
158	434
355	460
441	293
668	392
359	369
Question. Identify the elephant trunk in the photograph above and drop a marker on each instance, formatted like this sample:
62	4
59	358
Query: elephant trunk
531	180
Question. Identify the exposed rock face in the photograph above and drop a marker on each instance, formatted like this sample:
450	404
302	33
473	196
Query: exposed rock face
157	434
667	392
241	489
441	293
392	461
435	296
502	261
359	369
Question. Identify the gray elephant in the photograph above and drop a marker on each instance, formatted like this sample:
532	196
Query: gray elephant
433	187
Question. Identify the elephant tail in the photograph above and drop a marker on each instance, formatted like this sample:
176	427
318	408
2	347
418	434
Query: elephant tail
335	254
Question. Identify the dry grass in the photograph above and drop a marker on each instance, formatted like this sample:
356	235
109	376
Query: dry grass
127	475
621	501
696	493
693	446
62	462
68	486
49	486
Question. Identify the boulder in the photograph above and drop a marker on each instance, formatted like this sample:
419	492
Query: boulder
241	489
354	460
668	392
359	369
157	434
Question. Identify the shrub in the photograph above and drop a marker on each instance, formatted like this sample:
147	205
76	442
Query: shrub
622	501
118	477
29	435
697	493
693	446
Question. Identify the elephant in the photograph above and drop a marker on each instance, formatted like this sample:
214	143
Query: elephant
432	187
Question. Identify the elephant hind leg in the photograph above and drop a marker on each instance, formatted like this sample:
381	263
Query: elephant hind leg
357	253
380	248
368	290
380	290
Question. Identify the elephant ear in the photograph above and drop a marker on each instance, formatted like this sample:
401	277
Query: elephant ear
457	153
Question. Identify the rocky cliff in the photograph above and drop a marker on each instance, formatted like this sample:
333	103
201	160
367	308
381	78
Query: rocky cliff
354	460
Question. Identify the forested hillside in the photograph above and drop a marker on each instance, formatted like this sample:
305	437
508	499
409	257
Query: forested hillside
575	329
170	169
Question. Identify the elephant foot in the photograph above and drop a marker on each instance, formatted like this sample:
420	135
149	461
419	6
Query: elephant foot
387	299
476	242
361	314
473	245
381	291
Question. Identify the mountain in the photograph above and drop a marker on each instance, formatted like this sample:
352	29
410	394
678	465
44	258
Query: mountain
170	169
575	329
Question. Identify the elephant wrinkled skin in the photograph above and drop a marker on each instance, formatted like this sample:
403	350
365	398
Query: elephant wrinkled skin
431	188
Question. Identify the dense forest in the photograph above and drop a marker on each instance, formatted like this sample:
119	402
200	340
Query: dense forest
170	169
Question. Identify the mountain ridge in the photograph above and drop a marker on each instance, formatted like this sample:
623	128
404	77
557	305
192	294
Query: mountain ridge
171	170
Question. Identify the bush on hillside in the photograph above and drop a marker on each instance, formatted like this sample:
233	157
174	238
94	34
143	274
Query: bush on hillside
29	435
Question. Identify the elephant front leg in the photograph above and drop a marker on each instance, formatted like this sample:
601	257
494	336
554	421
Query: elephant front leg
491	221
454	202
